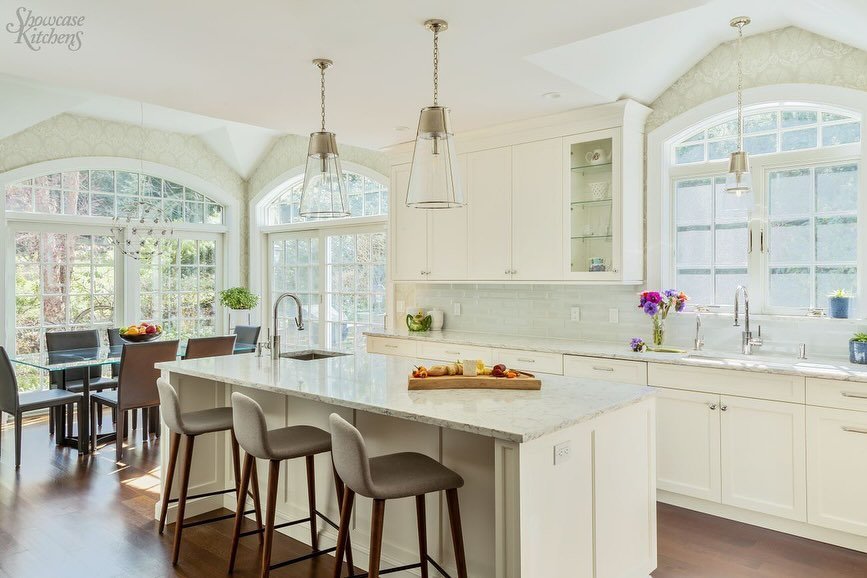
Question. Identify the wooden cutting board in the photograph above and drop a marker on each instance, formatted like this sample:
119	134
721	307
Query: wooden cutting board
523	381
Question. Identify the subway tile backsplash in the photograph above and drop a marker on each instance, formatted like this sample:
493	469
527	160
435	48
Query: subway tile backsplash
544	311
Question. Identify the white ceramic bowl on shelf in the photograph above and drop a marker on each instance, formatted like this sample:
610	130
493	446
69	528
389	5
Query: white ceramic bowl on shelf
598	190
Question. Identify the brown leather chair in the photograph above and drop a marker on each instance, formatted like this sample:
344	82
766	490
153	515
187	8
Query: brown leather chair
137	383
16	404
198	347
64	340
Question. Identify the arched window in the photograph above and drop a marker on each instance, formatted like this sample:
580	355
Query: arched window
794	238
367	198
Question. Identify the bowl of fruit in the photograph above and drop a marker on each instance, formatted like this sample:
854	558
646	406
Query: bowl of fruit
141	332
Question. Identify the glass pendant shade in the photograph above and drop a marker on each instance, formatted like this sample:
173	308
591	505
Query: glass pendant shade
433	179
323	195
738	179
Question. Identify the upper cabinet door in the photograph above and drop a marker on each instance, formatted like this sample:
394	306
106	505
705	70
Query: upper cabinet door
409	231
489	192
447	237
537	211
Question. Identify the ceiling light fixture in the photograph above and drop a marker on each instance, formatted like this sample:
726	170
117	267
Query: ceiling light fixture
433	176
739	180
323	195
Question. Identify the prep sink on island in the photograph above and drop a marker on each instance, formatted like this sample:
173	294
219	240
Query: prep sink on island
558	482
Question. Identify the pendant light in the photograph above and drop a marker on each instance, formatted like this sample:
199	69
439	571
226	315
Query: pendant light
433	176
323	195
738	179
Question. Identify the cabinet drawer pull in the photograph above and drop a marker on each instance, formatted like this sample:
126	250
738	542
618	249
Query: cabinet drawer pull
859	430
391	346
453	352
526	360
855	395
602	368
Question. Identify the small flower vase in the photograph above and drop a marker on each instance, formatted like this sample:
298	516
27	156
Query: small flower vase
658	331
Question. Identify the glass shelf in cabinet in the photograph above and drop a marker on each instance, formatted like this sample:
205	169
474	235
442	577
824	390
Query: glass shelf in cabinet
584	237
587	167
592	202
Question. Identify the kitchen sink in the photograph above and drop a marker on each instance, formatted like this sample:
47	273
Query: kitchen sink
312	354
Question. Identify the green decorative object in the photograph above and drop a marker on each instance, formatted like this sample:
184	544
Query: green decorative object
418	322
238	298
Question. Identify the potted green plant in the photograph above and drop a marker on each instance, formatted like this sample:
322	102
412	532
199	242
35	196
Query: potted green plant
858	348
838	304
238	299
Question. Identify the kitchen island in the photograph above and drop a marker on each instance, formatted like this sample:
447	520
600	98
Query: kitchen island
559	482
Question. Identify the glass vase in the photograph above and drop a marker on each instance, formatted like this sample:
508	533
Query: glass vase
658	331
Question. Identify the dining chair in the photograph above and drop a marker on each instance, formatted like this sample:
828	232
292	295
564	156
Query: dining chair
114	340
16	404
84	339
248	334
137	384
198	347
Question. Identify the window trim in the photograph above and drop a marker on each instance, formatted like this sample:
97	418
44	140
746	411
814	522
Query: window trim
660	170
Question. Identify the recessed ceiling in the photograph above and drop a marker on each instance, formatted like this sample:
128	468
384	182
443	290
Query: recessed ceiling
250	63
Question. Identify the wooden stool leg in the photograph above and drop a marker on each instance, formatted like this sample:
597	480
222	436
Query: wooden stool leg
257	503
270	506
174	446
236	463
457	533
339	487
422	533
243	483
311	502
182	497
343	530
376	538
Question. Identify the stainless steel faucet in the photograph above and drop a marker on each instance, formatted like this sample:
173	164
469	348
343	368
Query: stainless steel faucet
299	323
747	339
698	343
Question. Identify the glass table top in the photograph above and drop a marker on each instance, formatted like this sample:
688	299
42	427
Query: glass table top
91	357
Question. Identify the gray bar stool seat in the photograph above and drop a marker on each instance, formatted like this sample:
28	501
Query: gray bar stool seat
276	446
388	477
189	425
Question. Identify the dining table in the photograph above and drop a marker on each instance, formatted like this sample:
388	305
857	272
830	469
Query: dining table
61	361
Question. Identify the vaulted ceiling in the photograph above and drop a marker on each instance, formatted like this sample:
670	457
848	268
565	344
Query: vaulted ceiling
248	64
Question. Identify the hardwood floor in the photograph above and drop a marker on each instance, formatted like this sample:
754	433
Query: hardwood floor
65	516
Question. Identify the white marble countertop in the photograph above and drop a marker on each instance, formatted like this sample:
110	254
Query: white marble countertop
823	368
378	384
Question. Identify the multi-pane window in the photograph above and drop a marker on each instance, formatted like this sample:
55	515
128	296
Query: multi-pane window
366	198
355	288
793	240
770	131
110	193
295	268
178	286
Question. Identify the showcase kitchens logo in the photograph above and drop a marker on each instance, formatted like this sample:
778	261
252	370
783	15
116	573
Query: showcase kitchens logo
35	31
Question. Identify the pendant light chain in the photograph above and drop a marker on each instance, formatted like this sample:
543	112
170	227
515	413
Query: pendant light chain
740	88
436	64
322	92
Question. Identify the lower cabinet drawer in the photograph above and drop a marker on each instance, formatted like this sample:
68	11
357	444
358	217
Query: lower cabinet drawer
634	372
839	394
757	385
450	352
402	347
534	362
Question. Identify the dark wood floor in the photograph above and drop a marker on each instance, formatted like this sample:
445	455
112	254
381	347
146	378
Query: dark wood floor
65	516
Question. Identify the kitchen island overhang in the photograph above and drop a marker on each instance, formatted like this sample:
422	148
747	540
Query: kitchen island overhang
559	482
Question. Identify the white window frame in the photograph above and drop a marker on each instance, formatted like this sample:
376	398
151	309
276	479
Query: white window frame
662	173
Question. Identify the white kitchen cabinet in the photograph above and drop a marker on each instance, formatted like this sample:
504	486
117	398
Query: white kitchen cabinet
837	469
409	231
447	238
688	443
537	208
762	453
489	188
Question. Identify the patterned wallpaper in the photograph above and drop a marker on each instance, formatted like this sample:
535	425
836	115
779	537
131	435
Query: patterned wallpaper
67	135
784	56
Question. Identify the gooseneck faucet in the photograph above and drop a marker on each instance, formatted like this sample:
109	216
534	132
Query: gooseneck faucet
299	323
747	340
698	343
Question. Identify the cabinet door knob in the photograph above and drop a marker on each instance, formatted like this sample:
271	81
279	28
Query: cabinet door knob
723	407
506	272
712	406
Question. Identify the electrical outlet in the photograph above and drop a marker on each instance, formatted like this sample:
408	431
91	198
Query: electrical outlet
576	314
614	315
562	453
457	309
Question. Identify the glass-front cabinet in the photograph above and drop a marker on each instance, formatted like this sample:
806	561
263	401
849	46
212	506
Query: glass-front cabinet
596	212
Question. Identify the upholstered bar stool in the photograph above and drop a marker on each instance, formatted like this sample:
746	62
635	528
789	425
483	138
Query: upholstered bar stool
190	425
390	477
276	446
